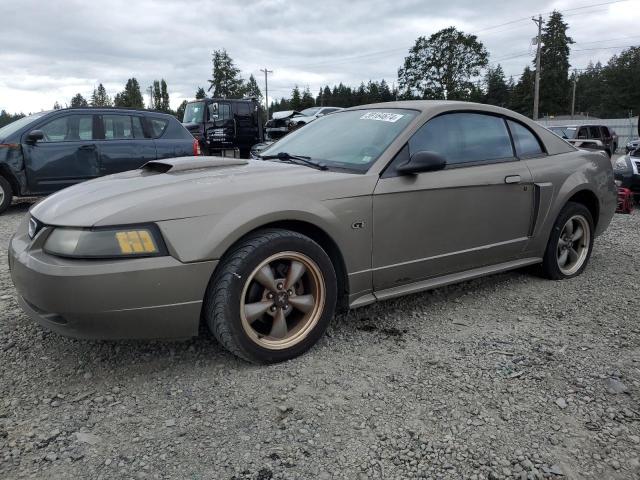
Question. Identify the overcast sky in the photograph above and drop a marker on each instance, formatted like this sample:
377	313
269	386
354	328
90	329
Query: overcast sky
51	50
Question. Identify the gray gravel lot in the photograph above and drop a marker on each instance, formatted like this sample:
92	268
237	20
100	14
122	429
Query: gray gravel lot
510	376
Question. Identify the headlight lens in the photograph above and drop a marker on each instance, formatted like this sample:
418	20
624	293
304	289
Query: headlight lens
621	164
106	243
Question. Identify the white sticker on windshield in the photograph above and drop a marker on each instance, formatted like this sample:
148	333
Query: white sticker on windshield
382	116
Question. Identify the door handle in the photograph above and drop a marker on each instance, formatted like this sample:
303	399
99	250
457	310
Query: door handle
512	179
88	147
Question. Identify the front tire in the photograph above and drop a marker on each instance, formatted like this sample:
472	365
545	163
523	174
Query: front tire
6	194
570	244
272	296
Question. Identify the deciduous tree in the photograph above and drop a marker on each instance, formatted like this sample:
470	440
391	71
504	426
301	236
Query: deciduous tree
443	65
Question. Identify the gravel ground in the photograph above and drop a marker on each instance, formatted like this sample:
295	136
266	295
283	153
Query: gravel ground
510	376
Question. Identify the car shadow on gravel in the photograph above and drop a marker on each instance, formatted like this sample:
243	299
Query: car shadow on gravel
20	206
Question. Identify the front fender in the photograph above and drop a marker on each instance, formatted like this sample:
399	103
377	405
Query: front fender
209	237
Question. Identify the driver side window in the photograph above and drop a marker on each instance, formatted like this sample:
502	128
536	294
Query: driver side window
219	111
464	138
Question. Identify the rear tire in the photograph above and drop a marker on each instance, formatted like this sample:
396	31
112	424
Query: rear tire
570	244
272	296
6	194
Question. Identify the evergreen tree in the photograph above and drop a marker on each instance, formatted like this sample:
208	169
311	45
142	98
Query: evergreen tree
164	97
200	93
6	118
131	96
181	109
497	89
307	99
555	86
521	99
56	106
385	92
79	101
156	95
99	97
621	75
226	81
252	89
160	96
443	65
296	99
327	98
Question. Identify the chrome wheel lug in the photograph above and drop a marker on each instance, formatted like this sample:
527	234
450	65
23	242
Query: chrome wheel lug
270	295
289	292
280	286
273	308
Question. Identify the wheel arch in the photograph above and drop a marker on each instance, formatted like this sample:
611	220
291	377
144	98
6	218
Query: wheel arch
322	238
8	175
590	200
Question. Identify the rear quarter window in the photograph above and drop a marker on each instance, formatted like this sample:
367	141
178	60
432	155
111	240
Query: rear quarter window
158	126
526	143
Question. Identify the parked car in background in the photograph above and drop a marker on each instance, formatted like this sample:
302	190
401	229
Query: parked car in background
367	204
632	145
309	114
222	124
48	151
592	137
284	122
627	172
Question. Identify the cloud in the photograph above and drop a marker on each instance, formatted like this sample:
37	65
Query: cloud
52	50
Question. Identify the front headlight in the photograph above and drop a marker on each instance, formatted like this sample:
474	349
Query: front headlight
621	164
125	242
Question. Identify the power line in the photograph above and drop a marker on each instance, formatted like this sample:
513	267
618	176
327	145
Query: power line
393	50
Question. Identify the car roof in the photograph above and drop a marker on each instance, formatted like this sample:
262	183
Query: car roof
110	109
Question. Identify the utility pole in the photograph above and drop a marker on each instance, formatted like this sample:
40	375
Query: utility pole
266	88
536	94
573	95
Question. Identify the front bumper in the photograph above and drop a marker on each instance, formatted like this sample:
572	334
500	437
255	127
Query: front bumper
157	297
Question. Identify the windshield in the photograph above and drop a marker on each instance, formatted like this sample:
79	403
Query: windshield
564	132
13	127
351	140
308	112
193	113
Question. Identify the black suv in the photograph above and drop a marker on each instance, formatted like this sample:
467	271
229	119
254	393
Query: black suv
222	124
48	151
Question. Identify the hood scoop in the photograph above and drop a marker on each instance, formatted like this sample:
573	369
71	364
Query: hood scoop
181	164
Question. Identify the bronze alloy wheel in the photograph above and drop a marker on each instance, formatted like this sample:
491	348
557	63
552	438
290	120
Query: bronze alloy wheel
573	244
282	300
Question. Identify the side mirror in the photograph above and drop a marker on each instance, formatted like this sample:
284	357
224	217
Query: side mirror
35	135
423	161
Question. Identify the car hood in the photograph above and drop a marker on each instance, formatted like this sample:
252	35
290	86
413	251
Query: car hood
189	187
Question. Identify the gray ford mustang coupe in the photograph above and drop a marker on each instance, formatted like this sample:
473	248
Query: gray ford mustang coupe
366	204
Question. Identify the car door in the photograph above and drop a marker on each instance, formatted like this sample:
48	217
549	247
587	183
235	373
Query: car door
66	154
475	212
222	134
607	138
123	145
246	125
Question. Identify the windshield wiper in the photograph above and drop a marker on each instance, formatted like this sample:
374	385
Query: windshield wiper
297	159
